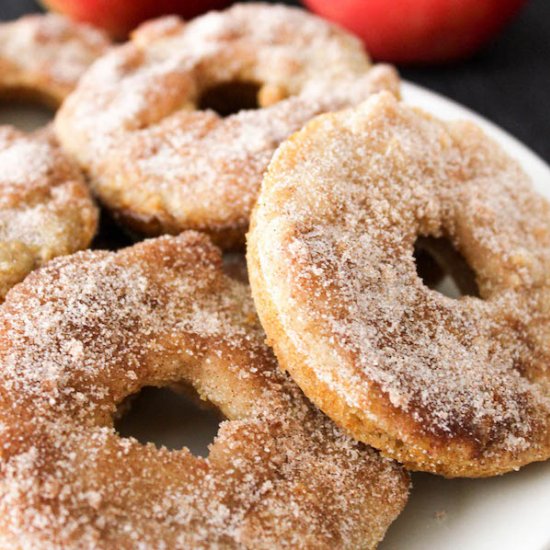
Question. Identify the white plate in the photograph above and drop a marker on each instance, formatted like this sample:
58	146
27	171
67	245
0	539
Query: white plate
511	512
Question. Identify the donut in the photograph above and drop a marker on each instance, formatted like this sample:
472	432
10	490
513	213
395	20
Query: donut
87	330
42	57
45	206
457	387
142	125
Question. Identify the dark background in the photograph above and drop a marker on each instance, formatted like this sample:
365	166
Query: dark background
508	82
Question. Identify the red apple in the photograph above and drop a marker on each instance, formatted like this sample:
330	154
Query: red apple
119	17
420	31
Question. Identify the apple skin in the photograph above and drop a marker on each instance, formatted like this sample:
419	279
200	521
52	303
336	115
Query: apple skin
119	17
420	31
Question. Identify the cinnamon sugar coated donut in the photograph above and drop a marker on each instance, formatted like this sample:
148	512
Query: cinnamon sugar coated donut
458	387
160	159
84	332
45	206
43	56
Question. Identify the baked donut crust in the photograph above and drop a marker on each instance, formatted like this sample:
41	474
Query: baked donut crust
84	332
458	387
42	57
161	164
45	207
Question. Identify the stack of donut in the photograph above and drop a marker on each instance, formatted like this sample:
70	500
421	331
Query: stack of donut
46	209
362	373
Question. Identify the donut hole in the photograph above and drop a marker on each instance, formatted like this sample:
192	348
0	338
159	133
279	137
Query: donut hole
443	269
229	98
169	418
25	111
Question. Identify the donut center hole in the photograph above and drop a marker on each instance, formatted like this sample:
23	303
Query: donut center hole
169	418
229	98
24	112
443	268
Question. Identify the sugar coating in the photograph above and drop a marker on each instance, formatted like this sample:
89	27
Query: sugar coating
161	164
459	387
84	332
45	206
45	55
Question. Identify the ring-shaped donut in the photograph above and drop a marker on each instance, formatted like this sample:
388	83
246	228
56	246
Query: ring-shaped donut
164	163
84	332
459	387
45	206
42	57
